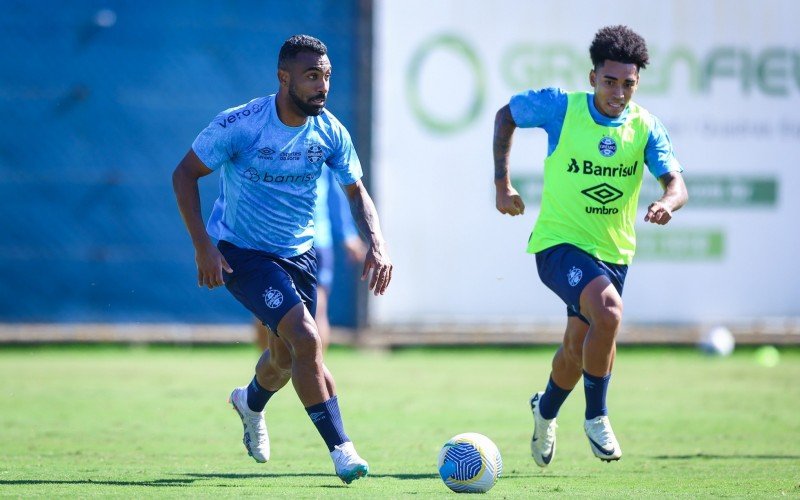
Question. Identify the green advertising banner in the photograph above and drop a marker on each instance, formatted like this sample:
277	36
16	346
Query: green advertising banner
723	78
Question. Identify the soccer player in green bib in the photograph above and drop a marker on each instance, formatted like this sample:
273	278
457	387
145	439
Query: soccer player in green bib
584	240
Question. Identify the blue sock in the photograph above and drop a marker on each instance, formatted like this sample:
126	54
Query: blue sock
257	396
595	389
552	399
328	419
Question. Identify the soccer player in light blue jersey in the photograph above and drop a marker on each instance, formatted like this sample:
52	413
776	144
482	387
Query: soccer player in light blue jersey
270	153
598	145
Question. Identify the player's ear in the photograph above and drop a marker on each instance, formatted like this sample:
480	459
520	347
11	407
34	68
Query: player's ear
283	77
592	77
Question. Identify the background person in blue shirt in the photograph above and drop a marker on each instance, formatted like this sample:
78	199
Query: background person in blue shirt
332	222
270	153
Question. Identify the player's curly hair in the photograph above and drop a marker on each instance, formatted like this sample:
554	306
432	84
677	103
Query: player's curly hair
299	43
619	43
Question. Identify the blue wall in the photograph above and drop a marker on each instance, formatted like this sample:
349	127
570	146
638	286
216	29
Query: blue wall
94	121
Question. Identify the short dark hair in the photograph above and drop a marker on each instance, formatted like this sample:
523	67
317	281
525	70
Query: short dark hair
619	43
299	43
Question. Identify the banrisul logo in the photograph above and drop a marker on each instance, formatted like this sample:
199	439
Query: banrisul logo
607	146
252	174
314	153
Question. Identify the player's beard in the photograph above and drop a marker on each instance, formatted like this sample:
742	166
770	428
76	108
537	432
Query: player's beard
305	106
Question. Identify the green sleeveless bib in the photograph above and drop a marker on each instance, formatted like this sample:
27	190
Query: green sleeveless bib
591	184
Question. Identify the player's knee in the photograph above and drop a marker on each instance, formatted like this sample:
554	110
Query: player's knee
607	318
307	346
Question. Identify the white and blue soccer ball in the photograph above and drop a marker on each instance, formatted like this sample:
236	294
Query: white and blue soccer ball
470	463
717	341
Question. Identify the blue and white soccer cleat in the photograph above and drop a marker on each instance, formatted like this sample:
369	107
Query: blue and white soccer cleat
602	440
256	439
543	441
349	466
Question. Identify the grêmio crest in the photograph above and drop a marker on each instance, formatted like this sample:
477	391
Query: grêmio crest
607	146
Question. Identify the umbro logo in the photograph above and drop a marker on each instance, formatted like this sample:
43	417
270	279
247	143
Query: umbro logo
317	416
266	153
603	193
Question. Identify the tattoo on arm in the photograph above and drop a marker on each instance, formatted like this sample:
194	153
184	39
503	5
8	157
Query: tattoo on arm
504	127
675	194
365	215
502	147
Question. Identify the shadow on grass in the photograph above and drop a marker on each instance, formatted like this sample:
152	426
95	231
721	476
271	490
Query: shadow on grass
711	456
303	474
194	477
402	477
155	482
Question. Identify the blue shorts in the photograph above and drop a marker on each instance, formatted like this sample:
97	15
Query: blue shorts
268	285
566	270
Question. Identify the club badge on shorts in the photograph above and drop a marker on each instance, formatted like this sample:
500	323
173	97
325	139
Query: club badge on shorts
273	298
573	276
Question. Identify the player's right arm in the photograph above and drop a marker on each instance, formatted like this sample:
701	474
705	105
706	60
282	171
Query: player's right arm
507	199
210	262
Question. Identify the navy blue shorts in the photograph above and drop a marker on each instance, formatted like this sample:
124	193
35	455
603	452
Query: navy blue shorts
268	285
566	270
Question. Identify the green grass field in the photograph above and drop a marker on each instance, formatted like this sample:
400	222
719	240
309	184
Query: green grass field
153	421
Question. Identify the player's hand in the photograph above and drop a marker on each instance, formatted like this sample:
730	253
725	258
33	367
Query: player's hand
508	201
381	267
658	213
210	265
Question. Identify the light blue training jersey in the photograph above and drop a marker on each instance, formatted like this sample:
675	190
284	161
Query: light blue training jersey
546	108
269	174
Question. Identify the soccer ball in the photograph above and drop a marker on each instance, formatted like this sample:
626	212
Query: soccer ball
470	463
717	341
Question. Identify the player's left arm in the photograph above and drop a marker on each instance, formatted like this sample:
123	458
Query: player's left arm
366	218
675	196
342	222
660	159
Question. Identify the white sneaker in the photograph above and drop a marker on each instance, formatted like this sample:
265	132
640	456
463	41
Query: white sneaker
602	440
255	439
543	441
349	466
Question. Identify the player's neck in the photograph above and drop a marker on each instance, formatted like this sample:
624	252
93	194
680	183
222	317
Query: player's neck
288	112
